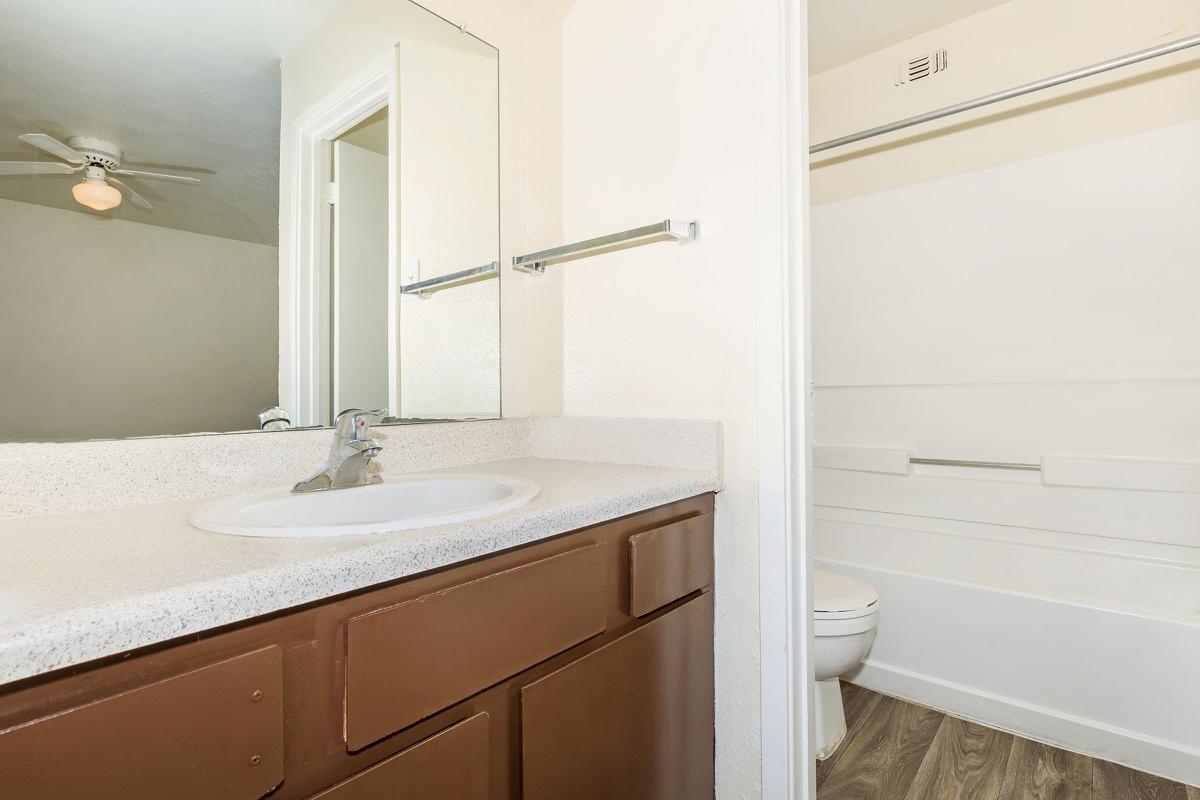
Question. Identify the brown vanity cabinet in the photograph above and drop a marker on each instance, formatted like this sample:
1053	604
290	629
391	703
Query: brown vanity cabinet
451	765
580	666
633	719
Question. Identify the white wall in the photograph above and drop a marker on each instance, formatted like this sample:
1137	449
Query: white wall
111	328
1016	285
662	116
1066	268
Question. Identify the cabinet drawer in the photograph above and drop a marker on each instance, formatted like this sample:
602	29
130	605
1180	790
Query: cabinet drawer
204	734
411	660
451	765
670	562
633	720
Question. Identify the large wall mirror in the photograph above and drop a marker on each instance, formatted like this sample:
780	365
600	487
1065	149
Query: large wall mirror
208	226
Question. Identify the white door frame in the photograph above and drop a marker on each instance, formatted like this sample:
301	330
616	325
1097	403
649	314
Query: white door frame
785	415
800	408
305	230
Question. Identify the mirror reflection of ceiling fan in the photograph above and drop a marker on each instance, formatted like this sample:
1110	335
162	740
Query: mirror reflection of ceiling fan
98	160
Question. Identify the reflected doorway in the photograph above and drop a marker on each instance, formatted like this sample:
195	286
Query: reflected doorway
360	373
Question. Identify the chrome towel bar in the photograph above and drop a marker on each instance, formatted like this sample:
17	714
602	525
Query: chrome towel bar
427	287
951	462
667	230
1008	94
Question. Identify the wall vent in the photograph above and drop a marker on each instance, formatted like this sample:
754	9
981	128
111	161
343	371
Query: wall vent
923	67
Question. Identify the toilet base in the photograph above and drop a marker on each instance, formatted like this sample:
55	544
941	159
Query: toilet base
830	717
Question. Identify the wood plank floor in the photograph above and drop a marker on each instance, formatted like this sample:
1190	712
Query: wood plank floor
901	751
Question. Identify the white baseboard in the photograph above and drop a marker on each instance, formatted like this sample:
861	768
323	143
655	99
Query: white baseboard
1069	732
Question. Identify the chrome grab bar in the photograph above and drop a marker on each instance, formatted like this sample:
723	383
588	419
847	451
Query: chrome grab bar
952	462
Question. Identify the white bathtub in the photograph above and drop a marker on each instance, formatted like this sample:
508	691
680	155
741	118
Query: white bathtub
1086	643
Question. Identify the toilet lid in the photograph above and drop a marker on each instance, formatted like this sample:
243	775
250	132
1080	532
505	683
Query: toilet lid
834	592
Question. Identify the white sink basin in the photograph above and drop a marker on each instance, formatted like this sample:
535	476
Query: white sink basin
400	503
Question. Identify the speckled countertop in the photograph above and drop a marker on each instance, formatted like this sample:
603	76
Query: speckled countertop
76	587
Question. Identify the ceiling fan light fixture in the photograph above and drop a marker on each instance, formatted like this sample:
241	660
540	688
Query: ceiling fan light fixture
99	161
96	194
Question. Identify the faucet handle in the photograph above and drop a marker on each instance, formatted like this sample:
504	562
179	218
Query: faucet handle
354	423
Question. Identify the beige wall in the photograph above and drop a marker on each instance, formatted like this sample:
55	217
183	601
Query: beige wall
111	328
663	116
1020	41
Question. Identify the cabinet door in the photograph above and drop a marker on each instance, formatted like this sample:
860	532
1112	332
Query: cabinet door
452	765
214	732
633	720
412	660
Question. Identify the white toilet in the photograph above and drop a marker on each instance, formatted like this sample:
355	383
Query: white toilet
845	611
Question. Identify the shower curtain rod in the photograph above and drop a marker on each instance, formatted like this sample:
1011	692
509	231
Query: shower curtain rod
1008	94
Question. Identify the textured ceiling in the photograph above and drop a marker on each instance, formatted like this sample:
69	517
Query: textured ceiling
840	31
191	87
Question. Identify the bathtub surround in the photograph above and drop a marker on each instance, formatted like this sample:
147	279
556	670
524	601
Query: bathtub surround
1097	257
1022	297
1100	392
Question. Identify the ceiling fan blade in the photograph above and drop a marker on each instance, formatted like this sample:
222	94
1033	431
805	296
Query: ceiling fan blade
134	197
35	168
157	176
53	146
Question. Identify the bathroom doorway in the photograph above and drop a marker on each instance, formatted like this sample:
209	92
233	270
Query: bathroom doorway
1004	383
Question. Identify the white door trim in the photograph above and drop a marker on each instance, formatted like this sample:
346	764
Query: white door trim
304	258
784	413
800	410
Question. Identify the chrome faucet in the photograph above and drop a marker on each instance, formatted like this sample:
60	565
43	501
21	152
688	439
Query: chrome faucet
350	454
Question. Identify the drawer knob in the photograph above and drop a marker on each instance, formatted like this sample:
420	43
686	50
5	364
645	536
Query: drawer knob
256	696
255	760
